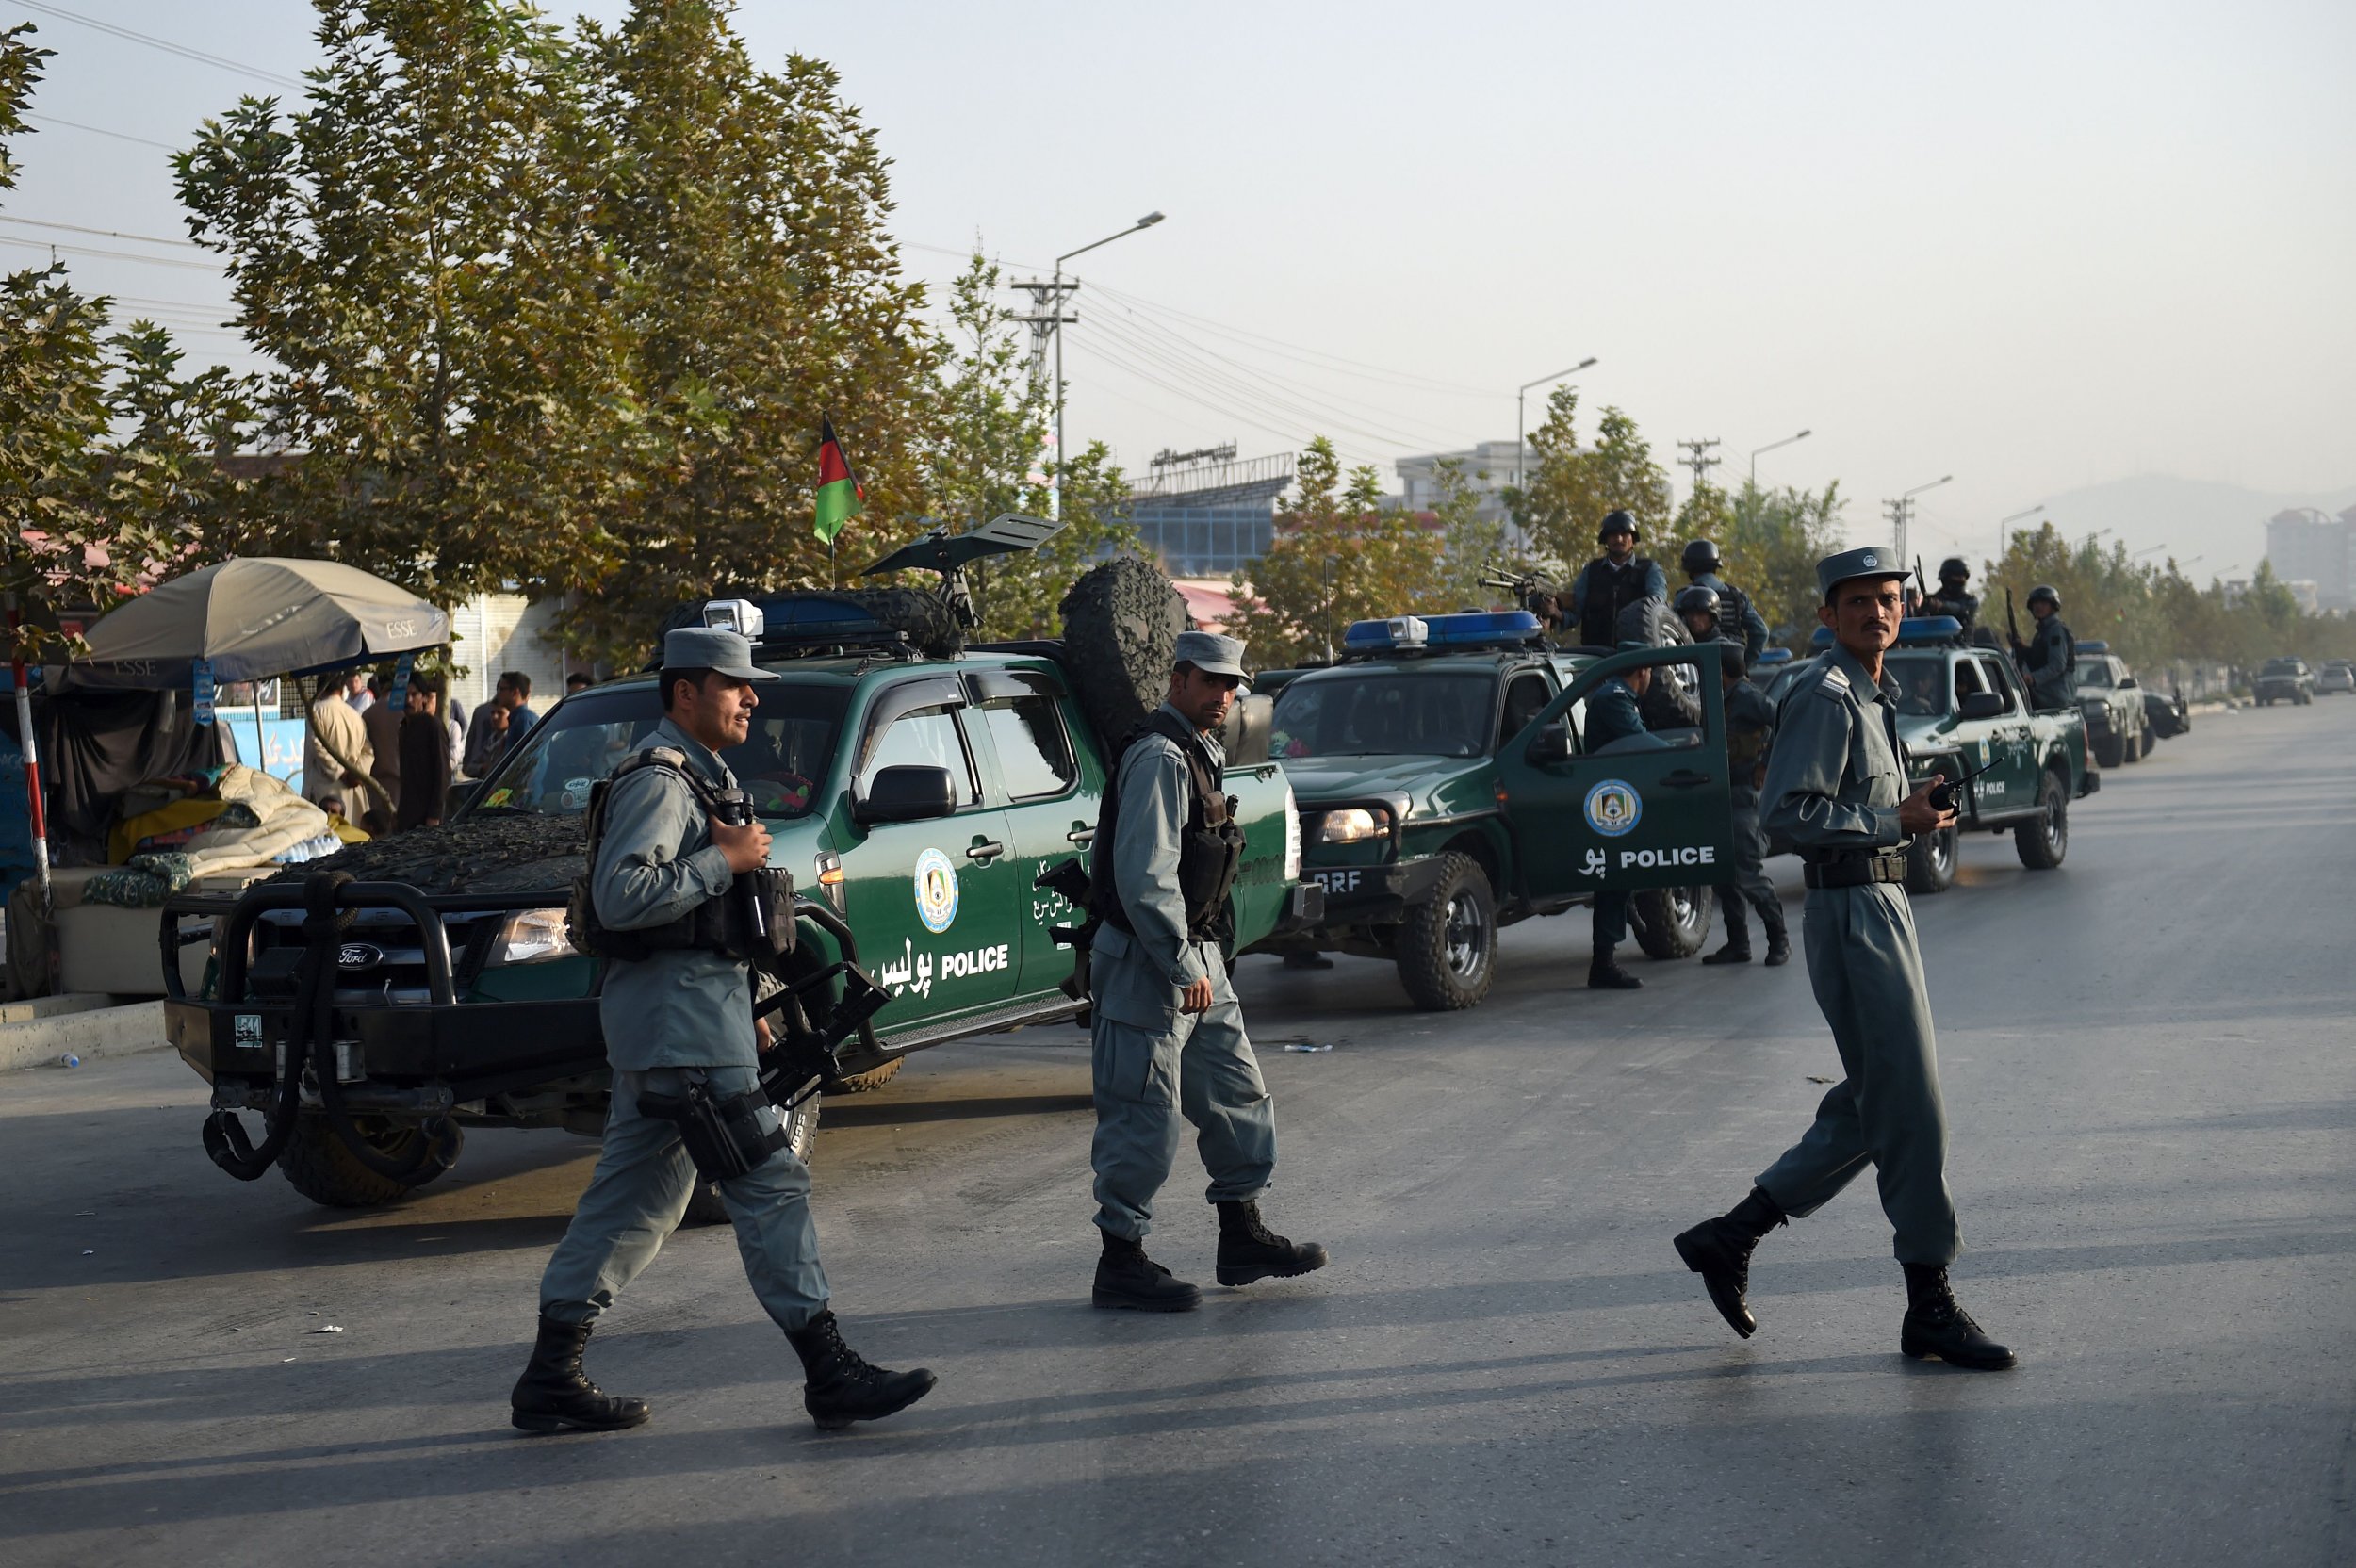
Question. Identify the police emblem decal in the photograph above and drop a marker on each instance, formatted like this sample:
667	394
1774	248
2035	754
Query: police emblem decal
936	890
1614	808
1868	559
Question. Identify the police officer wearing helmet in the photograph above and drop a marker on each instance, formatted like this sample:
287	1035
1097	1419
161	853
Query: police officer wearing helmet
2050	658
1616	712
1953	597
1612	582
1750	730
1698	607
1835	784
1737	622
1169	1036
680	1034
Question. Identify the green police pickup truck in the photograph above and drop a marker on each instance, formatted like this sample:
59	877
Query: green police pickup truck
917	800
1963	709
1446	793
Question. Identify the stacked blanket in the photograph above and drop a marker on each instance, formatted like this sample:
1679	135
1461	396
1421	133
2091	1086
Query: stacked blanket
247	818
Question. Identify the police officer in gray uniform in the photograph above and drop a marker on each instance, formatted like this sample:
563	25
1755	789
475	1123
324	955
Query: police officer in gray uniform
1169	1033
1750	730
2050	658
1836	784
1616	712
679	1025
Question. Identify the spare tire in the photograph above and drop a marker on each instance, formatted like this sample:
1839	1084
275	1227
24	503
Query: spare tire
1121	623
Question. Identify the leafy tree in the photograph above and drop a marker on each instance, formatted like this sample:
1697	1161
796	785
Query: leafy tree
1571	488
1769	542
106	449
1470	545
1336	559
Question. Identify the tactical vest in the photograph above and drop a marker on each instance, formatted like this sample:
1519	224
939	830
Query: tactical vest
1209	847
1964	607
723	925
1732	603
1610	589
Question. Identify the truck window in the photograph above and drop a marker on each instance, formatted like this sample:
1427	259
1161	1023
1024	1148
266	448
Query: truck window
927	737
1922	679
2094	672
1968	679
1524	696
551	770
1382	713
1995	680
1033	752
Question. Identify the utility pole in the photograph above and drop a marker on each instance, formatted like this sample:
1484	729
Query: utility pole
1046	320
1902	512
1700	457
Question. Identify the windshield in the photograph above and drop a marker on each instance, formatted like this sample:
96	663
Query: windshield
2094	672
1922	682
1380	713
2280	666
779	765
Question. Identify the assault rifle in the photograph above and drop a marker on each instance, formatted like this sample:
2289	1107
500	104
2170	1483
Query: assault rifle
1528	589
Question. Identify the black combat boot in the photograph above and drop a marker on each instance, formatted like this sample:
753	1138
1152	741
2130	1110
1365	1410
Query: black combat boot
555	1394
1125	1277
838	1385
1733	953
1778	946
1249	1250
1605	974
1935	1326
1720	1251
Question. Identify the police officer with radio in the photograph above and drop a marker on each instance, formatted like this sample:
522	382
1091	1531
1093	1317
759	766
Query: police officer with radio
1737	622
1168	1035
1750	730
1836	784
674	844
1613	583
2050	656
1616	712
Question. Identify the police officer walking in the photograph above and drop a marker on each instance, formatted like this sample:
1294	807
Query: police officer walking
1616	712
680	1031
2050	658
1750	729
1737	622
1835	784
1168	1035
1953	597
1612	582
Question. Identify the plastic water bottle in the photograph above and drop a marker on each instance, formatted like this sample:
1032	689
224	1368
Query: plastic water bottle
69	1060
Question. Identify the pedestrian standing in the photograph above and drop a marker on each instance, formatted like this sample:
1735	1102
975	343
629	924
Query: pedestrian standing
382	721
336	758
680	1029
1750	730
1169	1036
424	755
1835	784
1616	713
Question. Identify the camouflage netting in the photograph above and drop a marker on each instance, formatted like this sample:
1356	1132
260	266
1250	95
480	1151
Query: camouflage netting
490	854
1121	623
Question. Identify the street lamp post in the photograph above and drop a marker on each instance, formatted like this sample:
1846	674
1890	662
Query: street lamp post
2003	529
1054	496
1771	446
1902	508
1521	398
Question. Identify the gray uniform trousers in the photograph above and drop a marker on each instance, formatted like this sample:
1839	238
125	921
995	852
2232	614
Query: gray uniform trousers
1154	1063
640	1191
1867	971
1750	884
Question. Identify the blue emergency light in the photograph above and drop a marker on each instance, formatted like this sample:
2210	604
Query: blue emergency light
2094	647
1913	631
1774	656
1471	629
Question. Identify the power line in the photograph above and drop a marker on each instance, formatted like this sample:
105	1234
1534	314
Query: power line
163	43
1420	383
107	233
111	256
100	130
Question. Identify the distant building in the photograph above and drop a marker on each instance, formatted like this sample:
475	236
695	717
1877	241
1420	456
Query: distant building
1488	469
1204	513
2308	545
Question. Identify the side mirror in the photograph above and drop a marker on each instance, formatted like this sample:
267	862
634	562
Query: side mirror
1553	744
1980	705
906	794
2128	682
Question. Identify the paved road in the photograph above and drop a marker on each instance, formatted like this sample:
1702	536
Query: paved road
2148	1068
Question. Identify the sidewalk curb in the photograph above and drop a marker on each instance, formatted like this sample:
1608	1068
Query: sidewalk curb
89	1033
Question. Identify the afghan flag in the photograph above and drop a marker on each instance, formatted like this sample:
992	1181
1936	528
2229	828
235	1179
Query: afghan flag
841	496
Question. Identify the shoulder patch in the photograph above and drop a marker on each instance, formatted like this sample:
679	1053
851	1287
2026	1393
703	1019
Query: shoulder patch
1836	679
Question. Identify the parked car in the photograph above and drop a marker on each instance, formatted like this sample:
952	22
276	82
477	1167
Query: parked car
2284	681
2337	675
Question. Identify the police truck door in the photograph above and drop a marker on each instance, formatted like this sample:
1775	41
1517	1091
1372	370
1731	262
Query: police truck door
1619	817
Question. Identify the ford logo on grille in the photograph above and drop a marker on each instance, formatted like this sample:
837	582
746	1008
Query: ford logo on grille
359	955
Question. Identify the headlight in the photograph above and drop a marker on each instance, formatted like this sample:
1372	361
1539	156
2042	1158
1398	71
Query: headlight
530	936
1292	835
1353	825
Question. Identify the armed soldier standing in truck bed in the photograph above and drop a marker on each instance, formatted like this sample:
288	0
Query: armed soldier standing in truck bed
2049	659
680	1031
1739	622
1836	784
1954	597
1168	1035
1612	583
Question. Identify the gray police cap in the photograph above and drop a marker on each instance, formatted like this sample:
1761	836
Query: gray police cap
1871	562
712	647
1210	653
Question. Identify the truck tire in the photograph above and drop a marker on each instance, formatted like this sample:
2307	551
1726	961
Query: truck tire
1119	623
874	1078
2044	838
1670	923
317	1164
2109	753
1447	947
704	1205
1931	862
2151	741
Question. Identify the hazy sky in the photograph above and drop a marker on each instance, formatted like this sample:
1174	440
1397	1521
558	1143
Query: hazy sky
2039	247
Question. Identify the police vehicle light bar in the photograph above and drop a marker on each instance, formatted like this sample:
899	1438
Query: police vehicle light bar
1914	630
1776	656
1473	628
2094	647
741	616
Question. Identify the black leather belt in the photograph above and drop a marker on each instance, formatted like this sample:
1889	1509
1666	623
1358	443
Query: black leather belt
1856	870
